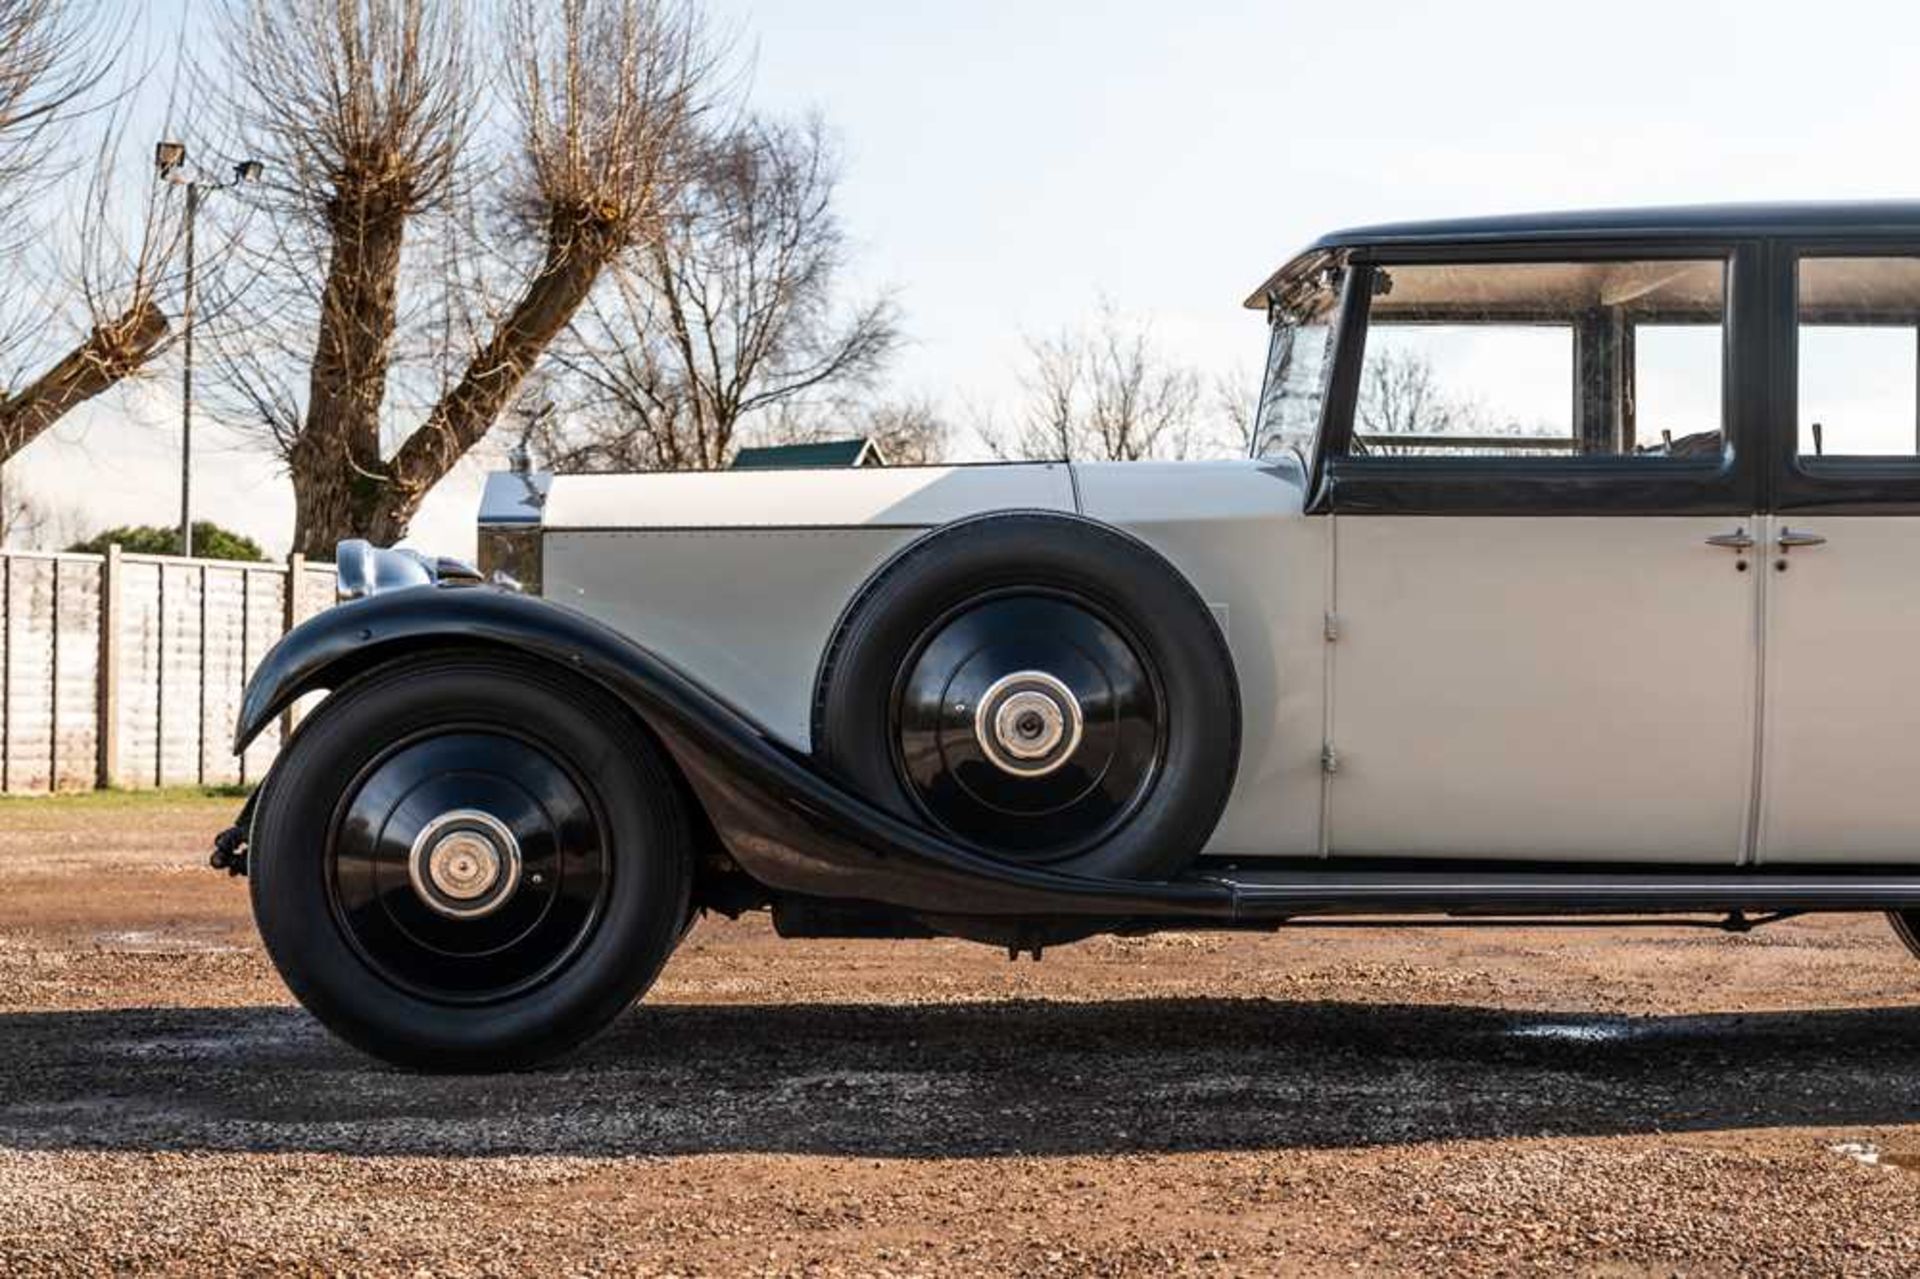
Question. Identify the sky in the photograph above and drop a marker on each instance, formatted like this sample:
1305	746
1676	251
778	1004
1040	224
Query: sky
1009	163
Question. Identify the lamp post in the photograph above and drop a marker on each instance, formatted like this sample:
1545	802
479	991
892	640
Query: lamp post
170	162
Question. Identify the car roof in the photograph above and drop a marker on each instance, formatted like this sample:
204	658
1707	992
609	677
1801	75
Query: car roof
1804	218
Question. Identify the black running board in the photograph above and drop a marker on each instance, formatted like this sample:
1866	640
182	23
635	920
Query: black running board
1279	895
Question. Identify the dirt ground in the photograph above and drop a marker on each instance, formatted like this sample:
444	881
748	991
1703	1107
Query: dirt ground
1366	1101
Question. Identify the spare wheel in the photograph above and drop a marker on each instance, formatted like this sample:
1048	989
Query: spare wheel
1042	688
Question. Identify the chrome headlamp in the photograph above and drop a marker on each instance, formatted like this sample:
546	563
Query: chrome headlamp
363	569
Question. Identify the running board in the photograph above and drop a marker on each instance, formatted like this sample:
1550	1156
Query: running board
1278	895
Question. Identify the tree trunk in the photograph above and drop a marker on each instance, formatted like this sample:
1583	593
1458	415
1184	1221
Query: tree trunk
576	257
335	463
109	354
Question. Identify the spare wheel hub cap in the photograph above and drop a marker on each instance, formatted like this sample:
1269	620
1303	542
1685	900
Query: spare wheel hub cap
1029	724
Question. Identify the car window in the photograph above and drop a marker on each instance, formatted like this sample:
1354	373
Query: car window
1440	390
1544	360
1859	357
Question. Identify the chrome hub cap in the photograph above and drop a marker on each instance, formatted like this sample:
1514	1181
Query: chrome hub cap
1029	723
465	864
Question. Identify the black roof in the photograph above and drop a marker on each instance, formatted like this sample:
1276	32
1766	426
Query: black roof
1804	218
1810	217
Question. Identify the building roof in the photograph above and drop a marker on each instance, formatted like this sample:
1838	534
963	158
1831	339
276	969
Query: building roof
1807	218
827	453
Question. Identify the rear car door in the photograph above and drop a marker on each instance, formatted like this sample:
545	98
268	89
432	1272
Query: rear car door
1544	636
1842	727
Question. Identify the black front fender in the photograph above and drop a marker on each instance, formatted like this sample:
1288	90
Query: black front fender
785	822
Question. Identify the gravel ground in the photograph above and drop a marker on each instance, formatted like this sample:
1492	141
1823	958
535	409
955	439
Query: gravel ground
1364	1101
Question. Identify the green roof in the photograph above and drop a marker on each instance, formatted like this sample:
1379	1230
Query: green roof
827	453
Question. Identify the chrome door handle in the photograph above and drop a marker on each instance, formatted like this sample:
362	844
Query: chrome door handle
1738	540
1790	538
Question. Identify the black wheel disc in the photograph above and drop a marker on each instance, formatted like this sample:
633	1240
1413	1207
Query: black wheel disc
1028	723
521	878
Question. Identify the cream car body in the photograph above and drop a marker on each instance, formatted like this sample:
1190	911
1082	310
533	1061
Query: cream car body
1571	573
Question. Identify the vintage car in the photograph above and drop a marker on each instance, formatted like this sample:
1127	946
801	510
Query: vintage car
1573	574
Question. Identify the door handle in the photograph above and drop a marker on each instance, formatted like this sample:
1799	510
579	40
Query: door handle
1738	540
1790	538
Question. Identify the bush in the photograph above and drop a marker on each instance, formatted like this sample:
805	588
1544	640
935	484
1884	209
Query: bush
210	541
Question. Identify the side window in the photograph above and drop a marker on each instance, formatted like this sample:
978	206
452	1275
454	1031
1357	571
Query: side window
1676	384
1487	389
1859	357
1544	360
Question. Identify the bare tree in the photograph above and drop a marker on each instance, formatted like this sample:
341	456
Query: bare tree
908	431
377	104
730	314
22	516
366	108
116	347
1401	395
1103	394
608	100
1235	401
49	67
27	520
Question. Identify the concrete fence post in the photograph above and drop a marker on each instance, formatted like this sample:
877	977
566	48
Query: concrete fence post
107	683
7	728
53	686
296	575
200	711
246	652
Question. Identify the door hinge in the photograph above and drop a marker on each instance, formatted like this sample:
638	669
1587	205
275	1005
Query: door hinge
1333	627
1329	760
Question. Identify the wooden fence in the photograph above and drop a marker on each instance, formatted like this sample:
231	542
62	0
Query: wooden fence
126	670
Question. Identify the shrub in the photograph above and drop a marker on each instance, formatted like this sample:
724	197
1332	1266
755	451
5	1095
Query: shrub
210	541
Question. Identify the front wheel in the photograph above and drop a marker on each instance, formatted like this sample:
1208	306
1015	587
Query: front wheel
468	863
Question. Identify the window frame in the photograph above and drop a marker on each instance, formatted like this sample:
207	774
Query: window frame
1837	485
1616	485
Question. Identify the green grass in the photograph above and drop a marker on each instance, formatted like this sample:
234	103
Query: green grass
110	800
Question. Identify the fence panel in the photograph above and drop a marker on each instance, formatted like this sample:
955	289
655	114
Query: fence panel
128	669
141	601
180	654
316	591
76	697
266	616
26	684
223	669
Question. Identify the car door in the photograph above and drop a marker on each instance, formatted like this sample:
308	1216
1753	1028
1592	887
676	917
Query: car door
1842	723
1544	632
